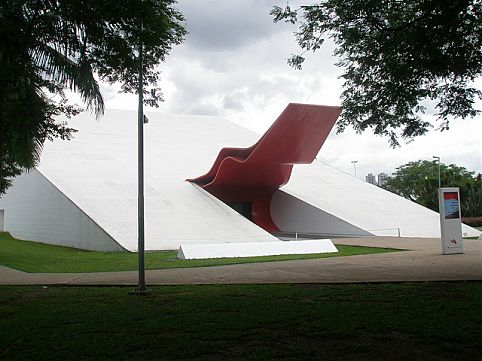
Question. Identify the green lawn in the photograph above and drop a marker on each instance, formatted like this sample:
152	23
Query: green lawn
38	257
408	321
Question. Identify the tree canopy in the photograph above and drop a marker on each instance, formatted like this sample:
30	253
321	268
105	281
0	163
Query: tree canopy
418	181
48	46
395	55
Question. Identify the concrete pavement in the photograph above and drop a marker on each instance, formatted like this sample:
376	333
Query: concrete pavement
421	260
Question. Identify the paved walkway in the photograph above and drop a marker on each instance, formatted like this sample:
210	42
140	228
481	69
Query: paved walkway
422	261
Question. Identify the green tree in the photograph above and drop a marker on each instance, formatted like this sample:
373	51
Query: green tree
48	46
418	181
396	54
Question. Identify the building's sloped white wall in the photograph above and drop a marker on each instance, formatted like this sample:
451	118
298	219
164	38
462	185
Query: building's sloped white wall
291	214
364	205
92	180
36	210
97	170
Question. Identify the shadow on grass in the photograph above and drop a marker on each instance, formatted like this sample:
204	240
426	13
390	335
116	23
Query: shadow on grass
404	321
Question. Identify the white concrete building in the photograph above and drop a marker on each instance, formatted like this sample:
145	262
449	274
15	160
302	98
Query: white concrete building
83	194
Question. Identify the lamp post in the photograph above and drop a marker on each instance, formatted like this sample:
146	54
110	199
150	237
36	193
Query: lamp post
354	165
141	287
438	161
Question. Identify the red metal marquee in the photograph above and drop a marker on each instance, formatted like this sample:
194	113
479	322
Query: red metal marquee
251	175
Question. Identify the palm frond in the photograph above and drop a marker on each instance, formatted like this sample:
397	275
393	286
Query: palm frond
76	74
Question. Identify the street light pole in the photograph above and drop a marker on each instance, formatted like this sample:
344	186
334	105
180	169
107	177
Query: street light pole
141	288
354	165
438	161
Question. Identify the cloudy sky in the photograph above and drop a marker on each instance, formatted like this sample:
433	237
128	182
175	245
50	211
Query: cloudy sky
233	65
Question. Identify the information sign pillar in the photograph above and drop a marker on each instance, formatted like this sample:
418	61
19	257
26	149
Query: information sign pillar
450	221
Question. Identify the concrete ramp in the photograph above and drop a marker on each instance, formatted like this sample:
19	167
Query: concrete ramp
232	250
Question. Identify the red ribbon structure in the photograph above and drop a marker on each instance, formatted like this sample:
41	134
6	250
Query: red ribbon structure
246	178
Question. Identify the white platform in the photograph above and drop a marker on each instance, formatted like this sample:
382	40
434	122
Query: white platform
231	250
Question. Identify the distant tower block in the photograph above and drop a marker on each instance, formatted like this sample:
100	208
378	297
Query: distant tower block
382	179
371	179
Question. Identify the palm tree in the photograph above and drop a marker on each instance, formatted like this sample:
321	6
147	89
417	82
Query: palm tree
41	54
47	46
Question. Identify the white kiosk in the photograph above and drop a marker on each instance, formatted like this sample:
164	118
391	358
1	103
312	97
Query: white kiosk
450	220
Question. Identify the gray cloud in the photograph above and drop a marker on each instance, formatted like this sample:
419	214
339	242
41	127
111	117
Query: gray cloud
233	101
233	64
216	27
203	109
250	70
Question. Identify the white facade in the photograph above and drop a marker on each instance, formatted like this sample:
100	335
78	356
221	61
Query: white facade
360	204
291	214
37	210
84	191
97	172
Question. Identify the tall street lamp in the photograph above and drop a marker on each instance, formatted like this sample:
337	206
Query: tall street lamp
141	287
354	165
438	161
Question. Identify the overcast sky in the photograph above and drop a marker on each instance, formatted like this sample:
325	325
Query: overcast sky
233	65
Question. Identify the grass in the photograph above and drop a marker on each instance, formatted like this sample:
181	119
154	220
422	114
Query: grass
38	257
407	321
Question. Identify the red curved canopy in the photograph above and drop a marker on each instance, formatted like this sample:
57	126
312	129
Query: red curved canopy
252	175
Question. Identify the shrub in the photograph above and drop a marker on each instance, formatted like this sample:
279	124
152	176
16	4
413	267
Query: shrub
472	221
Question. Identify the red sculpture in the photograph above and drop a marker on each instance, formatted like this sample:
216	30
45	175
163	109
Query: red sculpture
246	178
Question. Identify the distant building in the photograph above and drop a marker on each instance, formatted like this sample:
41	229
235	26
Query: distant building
370	178
382	179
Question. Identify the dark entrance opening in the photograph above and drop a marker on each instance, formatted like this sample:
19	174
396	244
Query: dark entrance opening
243	208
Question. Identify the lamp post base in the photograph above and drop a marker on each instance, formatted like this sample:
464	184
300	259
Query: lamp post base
141	290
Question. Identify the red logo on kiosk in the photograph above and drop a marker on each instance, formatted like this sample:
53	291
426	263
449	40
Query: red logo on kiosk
454	241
